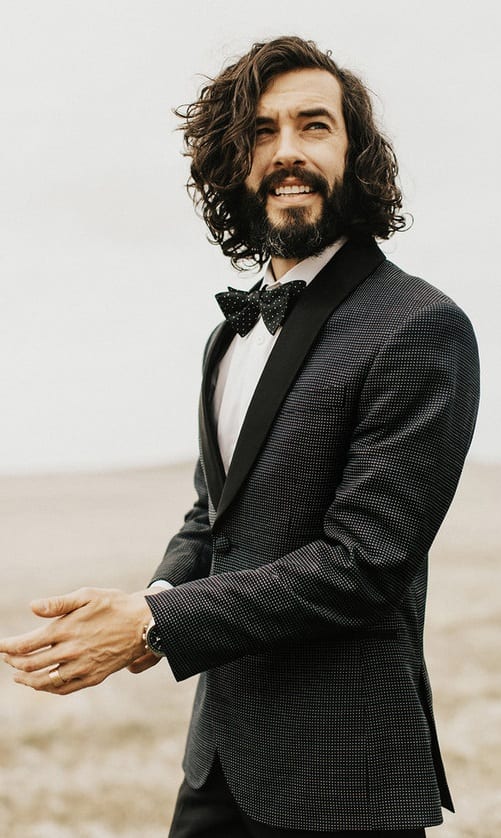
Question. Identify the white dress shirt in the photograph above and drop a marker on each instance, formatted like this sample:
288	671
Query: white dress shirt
241	366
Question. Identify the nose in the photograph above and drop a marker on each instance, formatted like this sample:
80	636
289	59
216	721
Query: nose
288	150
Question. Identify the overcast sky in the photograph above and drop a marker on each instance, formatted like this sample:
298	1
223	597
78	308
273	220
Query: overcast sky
101	253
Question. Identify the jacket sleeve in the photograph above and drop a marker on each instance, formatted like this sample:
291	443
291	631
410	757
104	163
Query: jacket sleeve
416	417
189	553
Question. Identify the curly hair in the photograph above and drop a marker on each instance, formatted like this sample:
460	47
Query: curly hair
219	137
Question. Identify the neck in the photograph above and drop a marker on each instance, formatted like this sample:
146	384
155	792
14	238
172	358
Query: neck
281	266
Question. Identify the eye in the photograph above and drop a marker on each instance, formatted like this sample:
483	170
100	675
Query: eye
317	126
263	131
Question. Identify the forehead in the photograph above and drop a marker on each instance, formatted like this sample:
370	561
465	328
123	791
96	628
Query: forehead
299	90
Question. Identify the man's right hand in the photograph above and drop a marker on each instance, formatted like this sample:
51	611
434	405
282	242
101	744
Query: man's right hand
144	662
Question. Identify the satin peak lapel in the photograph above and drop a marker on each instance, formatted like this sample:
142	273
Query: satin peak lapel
347	269
212	462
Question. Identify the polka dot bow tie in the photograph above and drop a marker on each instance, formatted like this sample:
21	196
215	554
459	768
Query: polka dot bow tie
243	308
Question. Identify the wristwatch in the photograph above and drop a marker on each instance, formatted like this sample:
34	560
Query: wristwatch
152	639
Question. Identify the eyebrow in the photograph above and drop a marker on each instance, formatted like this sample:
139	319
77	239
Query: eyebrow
317	112
305	112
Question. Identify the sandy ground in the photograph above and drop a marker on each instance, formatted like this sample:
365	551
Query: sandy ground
106	761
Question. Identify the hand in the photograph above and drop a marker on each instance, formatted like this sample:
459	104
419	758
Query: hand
96	631
144	662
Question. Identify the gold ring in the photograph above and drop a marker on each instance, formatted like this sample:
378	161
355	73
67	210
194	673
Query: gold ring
56	677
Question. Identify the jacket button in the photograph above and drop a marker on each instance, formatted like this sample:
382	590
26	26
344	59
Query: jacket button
223	544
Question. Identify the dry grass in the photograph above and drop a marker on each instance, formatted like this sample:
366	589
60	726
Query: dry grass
106	762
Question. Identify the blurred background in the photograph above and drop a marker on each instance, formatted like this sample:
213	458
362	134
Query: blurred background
101	254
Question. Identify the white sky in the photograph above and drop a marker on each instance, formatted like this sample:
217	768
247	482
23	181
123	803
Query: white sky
101	253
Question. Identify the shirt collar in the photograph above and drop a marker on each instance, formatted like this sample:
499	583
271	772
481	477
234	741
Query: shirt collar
307	269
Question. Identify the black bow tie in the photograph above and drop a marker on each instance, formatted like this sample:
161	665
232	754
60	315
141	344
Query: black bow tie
242	308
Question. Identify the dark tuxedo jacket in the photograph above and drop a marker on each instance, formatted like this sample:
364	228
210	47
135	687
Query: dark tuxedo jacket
300	578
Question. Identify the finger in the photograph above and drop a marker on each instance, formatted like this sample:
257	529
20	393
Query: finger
23	644
48	686
57	606
59	653
32	641
143	663
67	683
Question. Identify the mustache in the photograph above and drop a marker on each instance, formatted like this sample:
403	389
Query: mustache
276	179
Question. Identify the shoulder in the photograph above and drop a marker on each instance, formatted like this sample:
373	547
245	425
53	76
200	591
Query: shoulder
390	298
420	327
413	292
396	313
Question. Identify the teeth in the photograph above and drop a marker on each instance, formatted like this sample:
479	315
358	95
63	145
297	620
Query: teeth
292	190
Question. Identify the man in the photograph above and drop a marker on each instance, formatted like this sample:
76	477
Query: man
336	411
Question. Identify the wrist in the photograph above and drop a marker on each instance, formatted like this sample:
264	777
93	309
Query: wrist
142	617
152	640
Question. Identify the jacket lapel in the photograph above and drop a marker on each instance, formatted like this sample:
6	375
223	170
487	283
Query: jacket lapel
213	464
347	269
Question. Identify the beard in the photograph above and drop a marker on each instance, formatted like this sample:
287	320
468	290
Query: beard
295	236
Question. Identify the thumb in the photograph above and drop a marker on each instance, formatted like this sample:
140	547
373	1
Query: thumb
57	606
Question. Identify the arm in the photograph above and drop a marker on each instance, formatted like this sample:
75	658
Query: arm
188	556
94	632
416	417
189	553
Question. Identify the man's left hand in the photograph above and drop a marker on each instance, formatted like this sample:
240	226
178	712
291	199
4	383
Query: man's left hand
94	632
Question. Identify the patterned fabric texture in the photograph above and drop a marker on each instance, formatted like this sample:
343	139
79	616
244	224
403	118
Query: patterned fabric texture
303	604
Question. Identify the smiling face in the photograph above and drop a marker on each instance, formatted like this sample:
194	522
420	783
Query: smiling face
301	145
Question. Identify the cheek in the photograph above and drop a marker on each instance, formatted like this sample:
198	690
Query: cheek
258	170
334	166
252	181
250	184
341	161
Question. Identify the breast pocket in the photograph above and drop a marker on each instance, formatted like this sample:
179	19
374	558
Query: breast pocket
321	399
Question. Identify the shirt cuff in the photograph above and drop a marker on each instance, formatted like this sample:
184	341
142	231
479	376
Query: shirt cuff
160	583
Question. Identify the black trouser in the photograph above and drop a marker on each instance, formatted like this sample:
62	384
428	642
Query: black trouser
211	812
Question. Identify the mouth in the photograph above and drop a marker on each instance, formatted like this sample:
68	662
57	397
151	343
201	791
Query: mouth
292	193
292	187
292	190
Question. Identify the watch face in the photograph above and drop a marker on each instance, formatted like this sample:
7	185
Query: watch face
154	642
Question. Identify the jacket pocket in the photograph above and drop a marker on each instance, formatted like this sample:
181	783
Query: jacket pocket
322	399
